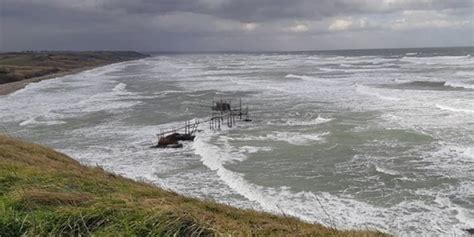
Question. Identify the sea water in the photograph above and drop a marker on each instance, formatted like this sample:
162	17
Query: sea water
377	139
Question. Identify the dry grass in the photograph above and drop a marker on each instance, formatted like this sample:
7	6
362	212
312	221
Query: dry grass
43	192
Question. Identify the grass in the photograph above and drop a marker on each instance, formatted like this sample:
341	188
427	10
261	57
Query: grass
43	192
26	65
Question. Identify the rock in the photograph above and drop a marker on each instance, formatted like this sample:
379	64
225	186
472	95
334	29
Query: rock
172	140
470	231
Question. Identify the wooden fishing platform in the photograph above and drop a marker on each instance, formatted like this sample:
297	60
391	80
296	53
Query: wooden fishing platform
221	114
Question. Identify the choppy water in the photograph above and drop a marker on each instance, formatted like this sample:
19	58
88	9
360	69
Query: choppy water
354	139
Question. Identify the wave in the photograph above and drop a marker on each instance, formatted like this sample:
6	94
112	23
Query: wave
386	171
276	200
430	85
425	83
373	92
34	121
458	151
465	73
457	110
459	85
120	87
255	149
442	60
166	92
318	120
334	210
302	77
293	138
214	158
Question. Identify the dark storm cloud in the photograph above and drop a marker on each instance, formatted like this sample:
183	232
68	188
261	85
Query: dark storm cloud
252	10
233	24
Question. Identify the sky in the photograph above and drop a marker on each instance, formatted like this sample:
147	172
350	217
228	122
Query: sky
233	25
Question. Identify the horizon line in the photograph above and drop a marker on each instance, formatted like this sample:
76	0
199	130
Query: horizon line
227	51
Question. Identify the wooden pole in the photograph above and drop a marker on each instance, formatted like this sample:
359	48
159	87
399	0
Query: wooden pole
240	108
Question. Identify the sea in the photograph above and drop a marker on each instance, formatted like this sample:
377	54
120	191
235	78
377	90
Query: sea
353	139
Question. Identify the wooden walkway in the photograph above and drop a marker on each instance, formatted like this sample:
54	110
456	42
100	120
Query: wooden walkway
221	115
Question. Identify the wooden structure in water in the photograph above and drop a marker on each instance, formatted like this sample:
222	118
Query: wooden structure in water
171	138
221	114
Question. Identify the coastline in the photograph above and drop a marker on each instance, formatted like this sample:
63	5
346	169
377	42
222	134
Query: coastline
45	192
11	87
90	60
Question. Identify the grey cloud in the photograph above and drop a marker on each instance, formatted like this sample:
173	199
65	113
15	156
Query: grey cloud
263	10
252	10
221	24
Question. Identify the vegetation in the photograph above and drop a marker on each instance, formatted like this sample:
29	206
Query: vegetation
43	192
25	65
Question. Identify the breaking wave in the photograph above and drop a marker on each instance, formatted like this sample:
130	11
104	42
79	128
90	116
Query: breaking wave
374	92
294	138
457	110
459	85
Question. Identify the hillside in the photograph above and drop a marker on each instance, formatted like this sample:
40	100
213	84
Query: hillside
45	192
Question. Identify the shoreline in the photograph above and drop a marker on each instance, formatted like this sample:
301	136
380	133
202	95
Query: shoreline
11	87
66	63
8	88
60	196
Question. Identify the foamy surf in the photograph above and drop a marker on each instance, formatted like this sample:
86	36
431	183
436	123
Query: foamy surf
214	159
324	207
365	90
459	85
293	138
452	109
386	171
34	121
360	138
316	121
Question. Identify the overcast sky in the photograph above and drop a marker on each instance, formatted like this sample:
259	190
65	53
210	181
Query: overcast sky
217	25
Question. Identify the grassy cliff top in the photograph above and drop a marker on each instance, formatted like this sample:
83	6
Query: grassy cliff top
26	65
43	192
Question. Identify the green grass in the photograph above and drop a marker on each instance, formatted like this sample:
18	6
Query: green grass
43	192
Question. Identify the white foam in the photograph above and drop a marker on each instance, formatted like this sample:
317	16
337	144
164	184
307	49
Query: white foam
272	200
302	77
332	210
459	85
374	92
255	149
294	138
417	215
386	171
34	121
401	81
466	217
28	121
466	153
316	121
456	110
465	73
441	60
214	159
120	88
326	69
166	92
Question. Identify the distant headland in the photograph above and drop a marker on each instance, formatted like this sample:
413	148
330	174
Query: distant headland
18	69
